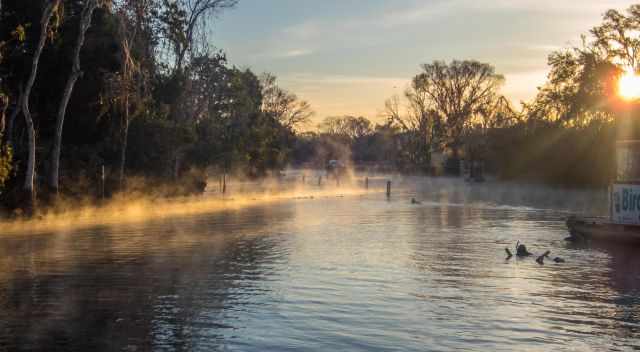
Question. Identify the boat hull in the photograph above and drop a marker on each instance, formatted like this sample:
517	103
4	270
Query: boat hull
601	229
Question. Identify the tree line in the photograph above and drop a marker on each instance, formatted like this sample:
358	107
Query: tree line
566	135
136	87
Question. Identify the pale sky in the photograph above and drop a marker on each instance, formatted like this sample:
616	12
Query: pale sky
346	57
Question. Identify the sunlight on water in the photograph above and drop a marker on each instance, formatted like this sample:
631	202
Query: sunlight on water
291	272
126	210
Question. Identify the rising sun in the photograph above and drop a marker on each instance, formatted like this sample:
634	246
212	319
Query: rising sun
629	85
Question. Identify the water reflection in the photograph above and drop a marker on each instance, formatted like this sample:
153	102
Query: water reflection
162	285
348	273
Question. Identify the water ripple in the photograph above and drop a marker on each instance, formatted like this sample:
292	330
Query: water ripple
359	273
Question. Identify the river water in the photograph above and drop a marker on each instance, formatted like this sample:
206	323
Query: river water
353	272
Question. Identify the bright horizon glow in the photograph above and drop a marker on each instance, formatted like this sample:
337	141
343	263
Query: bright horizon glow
346	57
629	85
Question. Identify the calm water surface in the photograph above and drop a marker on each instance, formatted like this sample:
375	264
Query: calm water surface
352	273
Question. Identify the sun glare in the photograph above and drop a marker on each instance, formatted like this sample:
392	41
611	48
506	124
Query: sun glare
629	85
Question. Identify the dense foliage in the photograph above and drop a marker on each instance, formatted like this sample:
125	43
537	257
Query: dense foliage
138	89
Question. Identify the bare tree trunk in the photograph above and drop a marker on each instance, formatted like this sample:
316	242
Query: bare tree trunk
29	184
85	22
126	79
8	136
123	143
4	104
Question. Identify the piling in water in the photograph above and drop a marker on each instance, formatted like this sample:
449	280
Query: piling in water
366	183
224	183
388	189
319	181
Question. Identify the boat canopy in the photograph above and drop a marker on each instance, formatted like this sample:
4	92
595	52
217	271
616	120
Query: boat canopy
628	161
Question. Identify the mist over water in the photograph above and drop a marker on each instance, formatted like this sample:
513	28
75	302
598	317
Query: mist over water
125	208
317	269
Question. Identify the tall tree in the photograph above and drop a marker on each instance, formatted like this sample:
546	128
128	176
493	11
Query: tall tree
127	86
282	105
5	150
582	86
457	91
421	124
348	127
184	34
185	27
29	181
85	22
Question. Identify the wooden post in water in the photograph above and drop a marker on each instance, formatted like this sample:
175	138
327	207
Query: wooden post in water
366	183
319	180
303	179
102	180
388	189
224	183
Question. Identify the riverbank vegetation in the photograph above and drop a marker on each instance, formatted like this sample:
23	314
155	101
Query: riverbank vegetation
97	93
134	88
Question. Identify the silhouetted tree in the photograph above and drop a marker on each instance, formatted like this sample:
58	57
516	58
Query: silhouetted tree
85	22
284	106
457	92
